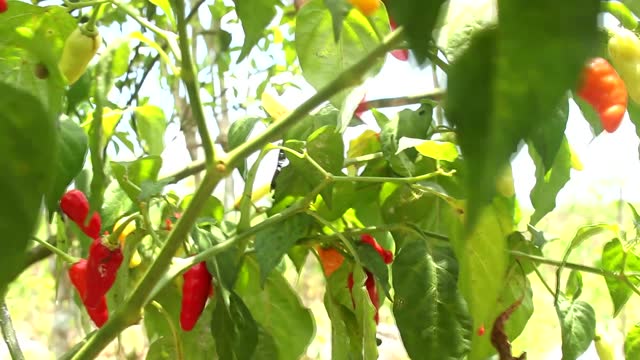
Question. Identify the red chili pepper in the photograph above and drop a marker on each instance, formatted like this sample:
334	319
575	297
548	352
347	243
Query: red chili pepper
362	107
102	268
387	256
78	276
603	88
195	290
168	224
3	6
400	54
481	330
76	206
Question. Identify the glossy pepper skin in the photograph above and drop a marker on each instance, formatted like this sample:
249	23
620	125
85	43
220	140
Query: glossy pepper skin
102	268
78	276
76	206
367	7
372	290
605	91
386	255
195	291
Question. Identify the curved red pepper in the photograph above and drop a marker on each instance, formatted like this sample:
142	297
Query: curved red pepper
387	256
372	290
76	206
195	290
102	268
78	276
3	6
400	54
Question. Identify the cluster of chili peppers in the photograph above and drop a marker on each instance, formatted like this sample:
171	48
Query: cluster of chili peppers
370	283
94	276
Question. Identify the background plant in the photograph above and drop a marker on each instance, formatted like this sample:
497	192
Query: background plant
432	182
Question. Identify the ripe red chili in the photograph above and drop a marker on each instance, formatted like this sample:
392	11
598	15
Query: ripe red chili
3	6
195	290
603	88
78	276
76	206
102	268
387	256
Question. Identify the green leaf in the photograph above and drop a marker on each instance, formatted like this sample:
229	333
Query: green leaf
116	203
438	150
632	343
409	123
31	45
517	242
418	17
613	259
549	182
586	232
339	10
577	325
547	140
255	15
274	242
373	262
166	8
483	260
517	286
509	83
405	205
151	124
131	174
234	329
267	348
163	348
326	147
277	308
431	314
28	144
590	115
321	57
239	132
213	207
573	289
72	150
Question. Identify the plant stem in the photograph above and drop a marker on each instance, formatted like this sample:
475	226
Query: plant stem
347	244
189	76
66	257
574	266
433	96
8	333
174	332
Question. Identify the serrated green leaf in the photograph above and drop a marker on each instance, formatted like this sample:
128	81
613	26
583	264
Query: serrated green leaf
632	343
577	325
277	308
72	150
151	124
431	314
549	181
274	242
28	144
321	57
255	17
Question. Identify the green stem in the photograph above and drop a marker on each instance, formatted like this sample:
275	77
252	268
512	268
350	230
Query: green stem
98	178
189	76
8	333
82	4
400	180
90	26
114	237
146	219
245	202
169	37
66	257
433	96
621	12
362	159
347	244
544	282
574	266
172	327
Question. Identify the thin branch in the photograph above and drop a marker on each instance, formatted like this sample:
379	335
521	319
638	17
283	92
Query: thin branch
189	76
8	333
